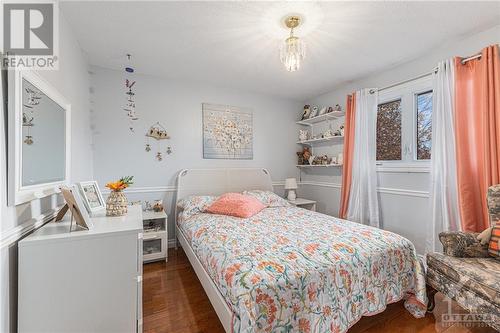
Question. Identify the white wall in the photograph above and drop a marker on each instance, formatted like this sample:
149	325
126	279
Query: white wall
403	197
177	105
72	81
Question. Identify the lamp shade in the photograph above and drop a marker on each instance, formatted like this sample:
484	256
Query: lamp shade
290	184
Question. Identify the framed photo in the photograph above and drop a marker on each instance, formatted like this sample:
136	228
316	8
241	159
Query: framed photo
75	205
91	196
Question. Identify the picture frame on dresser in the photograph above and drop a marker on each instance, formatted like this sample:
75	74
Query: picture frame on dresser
92	196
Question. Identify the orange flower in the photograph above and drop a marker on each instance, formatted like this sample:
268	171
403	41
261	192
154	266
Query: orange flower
346	279
311	248
370	296
334	328
282	240
327	310
304	325
266	306
121	184
271	266
343	248
311	291
255	278
200	232
230	271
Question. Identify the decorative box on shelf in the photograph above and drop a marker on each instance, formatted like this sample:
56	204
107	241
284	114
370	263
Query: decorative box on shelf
155	238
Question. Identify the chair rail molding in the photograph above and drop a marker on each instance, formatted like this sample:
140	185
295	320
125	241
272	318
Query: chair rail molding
12	235
384	190
163	189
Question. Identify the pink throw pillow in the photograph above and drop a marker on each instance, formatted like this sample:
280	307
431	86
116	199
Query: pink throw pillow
236	204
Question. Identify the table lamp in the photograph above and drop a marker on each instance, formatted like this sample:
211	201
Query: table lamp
291	186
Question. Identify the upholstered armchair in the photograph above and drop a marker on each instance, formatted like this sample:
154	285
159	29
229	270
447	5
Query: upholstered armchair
465	272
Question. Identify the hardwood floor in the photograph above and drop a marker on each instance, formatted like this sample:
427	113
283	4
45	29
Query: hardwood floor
174	301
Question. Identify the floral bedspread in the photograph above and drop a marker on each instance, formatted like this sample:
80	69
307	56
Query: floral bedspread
288	269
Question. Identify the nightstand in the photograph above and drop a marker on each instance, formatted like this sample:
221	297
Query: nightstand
155	237
304	203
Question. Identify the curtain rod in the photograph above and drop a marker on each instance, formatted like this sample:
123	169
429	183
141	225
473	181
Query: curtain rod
405	81
434	71
476	56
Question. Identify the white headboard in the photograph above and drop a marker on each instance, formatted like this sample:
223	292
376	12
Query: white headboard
220	181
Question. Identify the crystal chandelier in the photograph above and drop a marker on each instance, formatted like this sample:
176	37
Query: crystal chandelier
293	50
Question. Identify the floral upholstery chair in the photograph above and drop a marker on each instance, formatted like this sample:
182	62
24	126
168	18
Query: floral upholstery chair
465	272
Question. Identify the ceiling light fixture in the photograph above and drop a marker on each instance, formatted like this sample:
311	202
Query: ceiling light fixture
293	50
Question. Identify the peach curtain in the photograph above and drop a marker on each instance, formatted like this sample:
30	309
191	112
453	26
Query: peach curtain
350	116
477	130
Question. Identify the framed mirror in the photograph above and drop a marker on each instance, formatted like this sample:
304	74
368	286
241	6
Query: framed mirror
39	138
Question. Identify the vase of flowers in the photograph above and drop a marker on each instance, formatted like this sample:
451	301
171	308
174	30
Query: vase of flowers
116	204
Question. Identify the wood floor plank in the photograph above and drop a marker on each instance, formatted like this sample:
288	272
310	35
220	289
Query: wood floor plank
174	302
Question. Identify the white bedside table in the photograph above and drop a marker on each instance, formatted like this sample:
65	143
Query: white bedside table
155	236
304	203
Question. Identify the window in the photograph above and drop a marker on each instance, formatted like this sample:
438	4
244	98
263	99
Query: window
404	126
424	125
389	131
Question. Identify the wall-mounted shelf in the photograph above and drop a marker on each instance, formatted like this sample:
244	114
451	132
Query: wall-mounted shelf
323	117
318	165
311	141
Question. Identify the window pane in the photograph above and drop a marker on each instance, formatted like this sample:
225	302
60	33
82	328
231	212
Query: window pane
424	125
389	131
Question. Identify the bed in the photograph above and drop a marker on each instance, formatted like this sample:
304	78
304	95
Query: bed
288	269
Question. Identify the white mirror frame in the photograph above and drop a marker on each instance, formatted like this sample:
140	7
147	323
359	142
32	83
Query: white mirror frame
18	193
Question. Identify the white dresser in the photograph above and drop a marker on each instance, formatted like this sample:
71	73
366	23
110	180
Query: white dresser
83	281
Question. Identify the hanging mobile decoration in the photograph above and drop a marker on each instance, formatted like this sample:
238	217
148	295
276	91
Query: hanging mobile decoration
32	100
158	132
129	107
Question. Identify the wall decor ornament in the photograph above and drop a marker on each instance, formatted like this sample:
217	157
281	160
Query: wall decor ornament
227	132
32	99
129	107
158	132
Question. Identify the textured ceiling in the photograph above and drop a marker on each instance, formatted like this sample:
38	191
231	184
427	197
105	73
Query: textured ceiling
235	44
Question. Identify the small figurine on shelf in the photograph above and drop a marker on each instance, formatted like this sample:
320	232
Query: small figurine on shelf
303	156
338	108
314	111
303	135
307	112
327	134
158	206
322	111
341	130
340	159
330	109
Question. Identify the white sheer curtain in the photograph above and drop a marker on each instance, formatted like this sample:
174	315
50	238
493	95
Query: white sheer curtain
444	195
363	202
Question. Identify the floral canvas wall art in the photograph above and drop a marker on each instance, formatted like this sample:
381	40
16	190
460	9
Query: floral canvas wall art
227	132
